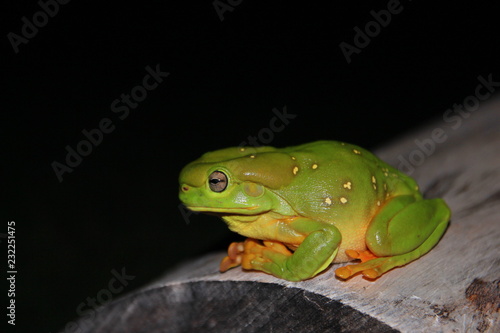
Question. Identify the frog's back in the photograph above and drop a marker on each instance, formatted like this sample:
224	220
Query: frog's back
336	181
344	185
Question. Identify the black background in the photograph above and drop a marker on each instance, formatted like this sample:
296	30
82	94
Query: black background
119	209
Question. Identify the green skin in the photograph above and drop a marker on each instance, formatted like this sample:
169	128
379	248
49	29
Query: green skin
303	207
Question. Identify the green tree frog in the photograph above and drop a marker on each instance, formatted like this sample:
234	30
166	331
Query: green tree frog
305	207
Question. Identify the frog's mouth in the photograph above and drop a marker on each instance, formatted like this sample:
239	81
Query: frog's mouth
222	210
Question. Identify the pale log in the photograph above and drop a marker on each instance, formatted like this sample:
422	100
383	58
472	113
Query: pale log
453	288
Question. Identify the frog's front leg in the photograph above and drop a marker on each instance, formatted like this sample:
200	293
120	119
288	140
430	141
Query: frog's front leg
403	230
313	255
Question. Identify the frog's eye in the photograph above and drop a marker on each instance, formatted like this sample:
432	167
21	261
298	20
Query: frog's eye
217	181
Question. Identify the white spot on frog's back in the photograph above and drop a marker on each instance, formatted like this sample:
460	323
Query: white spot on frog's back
374	183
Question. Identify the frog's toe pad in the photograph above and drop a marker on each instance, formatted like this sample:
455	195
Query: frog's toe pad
234	256
235	250
364	256
227	263
348	271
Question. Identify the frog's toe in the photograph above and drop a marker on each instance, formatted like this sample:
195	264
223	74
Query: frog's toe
248	254
252	255
234	256
277	247
235	250
344	272
364	256
370	269
227	263
371	273
348	271
368	266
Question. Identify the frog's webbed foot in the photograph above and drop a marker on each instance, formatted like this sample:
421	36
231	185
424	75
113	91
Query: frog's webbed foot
370	265
251	252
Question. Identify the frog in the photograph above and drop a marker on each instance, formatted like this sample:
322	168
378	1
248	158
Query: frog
304	208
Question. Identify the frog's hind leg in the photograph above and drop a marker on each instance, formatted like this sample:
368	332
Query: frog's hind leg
402	231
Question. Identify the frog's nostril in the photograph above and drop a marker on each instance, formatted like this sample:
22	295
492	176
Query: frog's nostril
185	188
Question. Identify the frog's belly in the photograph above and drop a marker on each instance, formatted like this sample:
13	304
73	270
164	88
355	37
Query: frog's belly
351	240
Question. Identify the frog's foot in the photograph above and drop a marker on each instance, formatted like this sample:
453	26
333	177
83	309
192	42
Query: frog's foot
367	270
257	253
233	258
251	250
370	268
364	256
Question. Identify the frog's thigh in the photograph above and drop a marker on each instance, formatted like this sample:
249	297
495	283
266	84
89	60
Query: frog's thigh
403	224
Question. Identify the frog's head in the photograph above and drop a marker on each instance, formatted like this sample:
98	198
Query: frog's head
237	181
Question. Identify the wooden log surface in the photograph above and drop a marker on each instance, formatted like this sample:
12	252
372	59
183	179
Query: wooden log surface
453	288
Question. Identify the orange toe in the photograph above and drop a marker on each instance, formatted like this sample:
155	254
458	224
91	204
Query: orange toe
371	274
277	247
343	272
234	250
228	263
364	256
